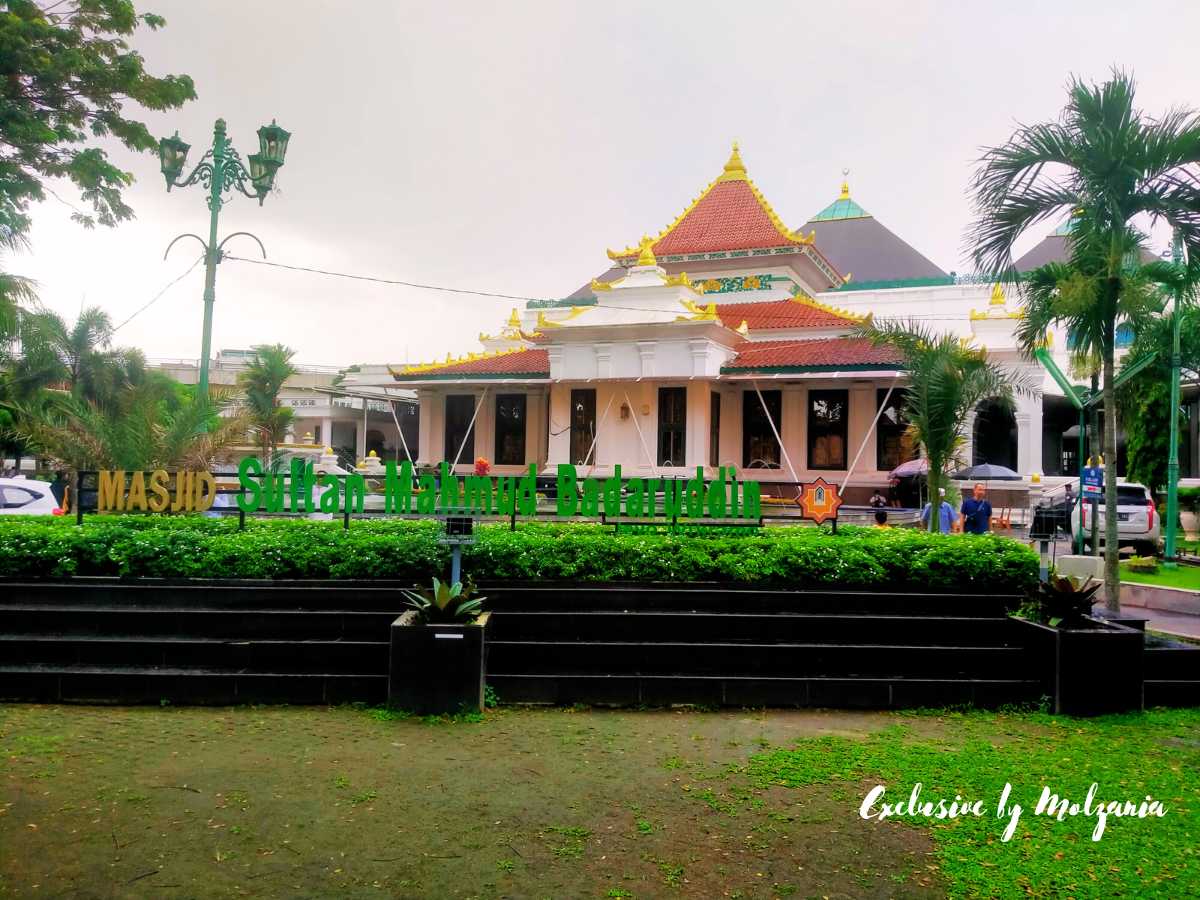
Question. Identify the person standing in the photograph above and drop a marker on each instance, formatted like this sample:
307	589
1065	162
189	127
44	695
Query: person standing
58	487
977	512
946	514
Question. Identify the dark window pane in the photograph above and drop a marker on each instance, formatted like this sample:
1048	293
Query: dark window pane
672	425
760	450
510	429
893	444
583	426
714	430
828	412
460	429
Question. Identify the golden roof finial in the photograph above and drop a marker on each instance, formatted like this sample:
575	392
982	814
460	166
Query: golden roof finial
646	257
735	169
845	195
515	319
743	329
998	298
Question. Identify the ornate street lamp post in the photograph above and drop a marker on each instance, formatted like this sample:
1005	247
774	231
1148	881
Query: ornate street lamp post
220	170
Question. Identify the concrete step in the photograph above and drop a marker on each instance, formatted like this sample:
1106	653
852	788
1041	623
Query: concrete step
724	690
710	658
135	684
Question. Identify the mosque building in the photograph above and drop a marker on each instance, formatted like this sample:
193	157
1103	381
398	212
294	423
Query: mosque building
728	339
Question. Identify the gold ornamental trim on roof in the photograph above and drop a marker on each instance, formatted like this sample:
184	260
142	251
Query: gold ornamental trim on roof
699	313
452	360
734	170
680	280
997	307
805	300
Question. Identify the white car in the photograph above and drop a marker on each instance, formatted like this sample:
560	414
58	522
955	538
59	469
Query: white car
22	497
1137	521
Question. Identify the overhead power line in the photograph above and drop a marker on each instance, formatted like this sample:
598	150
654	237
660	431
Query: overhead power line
170	284
411	284
495	295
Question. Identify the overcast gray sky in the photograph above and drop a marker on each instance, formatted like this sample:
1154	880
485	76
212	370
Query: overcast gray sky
504	146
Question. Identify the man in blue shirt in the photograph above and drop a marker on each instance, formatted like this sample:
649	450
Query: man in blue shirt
977	512
946	514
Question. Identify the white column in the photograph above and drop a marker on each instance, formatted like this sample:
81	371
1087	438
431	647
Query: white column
430	436
559	425
532	415
360	442
1029	434
699	351
646	355
327	432
793	429
859	431
968	434
603	360
698	413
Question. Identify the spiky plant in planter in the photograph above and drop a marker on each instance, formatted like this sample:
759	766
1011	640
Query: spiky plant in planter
445	603
1062	600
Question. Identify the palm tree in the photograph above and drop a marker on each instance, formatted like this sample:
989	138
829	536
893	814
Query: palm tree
1109	165
146	426
17	293
261	380
948	378
78	358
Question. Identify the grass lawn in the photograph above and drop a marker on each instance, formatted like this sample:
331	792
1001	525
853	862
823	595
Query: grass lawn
316	802
1183	576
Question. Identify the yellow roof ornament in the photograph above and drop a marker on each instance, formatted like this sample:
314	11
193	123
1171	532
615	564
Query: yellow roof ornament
735	169
543	322
998	298
680	280
515	319
802	298
845	194
743	329
598	285
646	256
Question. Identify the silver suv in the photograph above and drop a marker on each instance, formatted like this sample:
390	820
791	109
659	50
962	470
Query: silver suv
1137	521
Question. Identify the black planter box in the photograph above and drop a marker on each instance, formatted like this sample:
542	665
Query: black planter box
436	669
1090	670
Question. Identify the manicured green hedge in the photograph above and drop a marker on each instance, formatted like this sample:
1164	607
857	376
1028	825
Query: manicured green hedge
196	547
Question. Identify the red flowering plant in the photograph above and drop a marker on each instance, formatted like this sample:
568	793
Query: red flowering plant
482	466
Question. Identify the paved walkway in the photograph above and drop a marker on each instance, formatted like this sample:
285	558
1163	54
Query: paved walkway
1176	624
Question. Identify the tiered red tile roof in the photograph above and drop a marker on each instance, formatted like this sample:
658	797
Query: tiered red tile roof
730	214
795	313
829	353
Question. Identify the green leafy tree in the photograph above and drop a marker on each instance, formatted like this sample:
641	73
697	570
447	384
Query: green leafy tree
67	73
261	381
1108	164
947	378
1145	400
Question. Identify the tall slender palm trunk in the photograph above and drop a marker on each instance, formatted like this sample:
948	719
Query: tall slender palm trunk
1112	581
